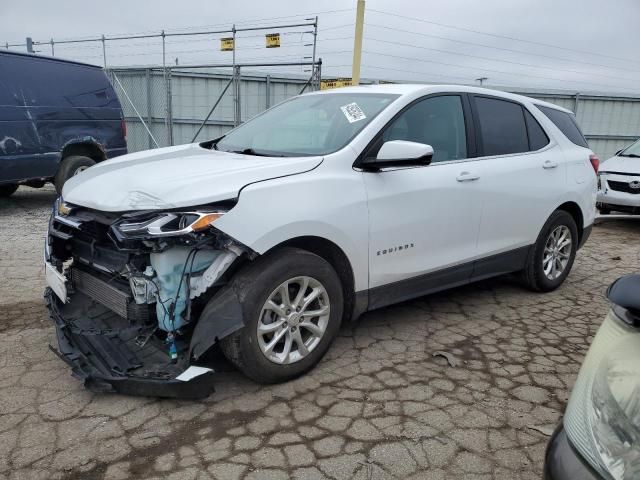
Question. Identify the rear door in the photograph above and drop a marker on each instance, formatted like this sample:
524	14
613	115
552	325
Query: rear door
524	176
423	222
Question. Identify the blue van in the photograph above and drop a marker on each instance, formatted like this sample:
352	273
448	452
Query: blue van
57	118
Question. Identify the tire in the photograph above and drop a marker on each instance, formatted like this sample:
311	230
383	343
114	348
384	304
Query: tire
260	282
534	274
70	166
8	190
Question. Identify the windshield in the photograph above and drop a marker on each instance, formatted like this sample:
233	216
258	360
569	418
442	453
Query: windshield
306	125
631	151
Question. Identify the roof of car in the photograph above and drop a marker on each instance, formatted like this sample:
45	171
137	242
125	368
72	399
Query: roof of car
410	88
46	57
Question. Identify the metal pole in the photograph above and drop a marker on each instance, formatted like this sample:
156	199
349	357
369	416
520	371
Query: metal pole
148	75
268	103
166	85
53	52
315	37
115	77
357	44
212	109
307	83
238	115
234	78
104	51
170	107
7	45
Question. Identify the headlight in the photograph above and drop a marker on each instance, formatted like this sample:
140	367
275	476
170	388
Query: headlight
169	224
603	415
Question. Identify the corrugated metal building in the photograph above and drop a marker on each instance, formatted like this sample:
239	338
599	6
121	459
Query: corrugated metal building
609	121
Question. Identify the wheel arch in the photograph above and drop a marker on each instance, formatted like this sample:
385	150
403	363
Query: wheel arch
86	147
573	209
337	258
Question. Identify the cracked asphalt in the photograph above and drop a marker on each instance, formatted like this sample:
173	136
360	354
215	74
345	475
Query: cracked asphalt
379	406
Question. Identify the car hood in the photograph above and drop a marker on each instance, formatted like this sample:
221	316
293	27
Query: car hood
175	177
621	165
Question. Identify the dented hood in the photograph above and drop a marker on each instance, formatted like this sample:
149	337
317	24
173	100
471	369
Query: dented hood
175	177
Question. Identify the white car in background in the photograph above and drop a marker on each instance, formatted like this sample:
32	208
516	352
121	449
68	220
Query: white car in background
321	208
619	182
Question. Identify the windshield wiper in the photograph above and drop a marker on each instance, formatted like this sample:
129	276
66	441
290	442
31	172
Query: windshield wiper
632	155
251	151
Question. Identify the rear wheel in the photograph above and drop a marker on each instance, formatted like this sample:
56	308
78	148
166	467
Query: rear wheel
69	167
8	190
551	258
293	309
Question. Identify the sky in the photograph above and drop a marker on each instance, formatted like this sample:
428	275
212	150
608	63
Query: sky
576	45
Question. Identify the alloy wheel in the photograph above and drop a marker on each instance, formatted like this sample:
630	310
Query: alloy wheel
557	252
293	320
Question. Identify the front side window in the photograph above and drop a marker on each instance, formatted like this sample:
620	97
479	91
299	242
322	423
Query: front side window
567	124
306	125
502	126
436	121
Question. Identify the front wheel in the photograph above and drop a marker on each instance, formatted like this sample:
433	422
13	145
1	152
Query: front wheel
69	167
551	258
293	306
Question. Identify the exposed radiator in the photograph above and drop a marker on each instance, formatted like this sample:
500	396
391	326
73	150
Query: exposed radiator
115	299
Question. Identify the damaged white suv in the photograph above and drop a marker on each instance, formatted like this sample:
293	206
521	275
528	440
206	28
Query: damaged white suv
321	208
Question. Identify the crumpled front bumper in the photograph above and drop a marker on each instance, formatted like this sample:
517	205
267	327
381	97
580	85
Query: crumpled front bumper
107	360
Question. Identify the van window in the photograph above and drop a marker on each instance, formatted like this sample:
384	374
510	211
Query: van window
502	126
567	124
436	121
537	137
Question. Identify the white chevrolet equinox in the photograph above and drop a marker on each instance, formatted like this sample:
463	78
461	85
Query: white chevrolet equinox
327	205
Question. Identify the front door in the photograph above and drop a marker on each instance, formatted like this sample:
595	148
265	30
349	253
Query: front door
423	221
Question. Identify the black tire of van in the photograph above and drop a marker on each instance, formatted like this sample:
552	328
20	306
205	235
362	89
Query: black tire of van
258	280
8	190
533	274
70	166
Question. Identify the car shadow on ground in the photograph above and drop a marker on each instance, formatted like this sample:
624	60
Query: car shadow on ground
27	198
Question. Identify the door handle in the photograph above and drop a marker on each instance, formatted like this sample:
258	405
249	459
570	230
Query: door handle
549	164
467	177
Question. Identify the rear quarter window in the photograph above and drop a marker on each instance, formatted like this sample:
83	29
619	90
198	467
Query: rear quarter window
566	123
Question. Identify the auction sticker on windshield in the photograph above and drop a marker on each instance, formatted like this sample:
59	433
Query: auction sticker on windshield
353	112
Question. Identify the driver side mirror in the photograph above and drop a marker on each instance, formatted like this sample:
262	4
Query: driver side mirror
400	153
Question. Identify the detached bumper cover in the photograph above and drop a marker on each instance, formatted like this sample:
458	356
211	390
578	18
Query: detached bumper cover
105	361
562	462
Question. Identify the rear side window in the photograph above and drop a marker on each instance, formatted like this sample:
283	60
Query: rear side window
537	137
502	126
567	124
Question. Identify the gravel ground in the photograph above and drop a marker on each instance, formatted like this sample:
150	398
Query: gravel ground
378	406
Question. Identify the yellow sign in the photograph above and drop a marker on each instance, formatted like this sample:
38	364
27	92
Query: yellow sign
226	44
335	83
273	40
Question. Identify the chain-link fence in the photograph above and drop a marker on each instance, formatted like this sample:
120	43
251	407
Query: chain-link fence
176	105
